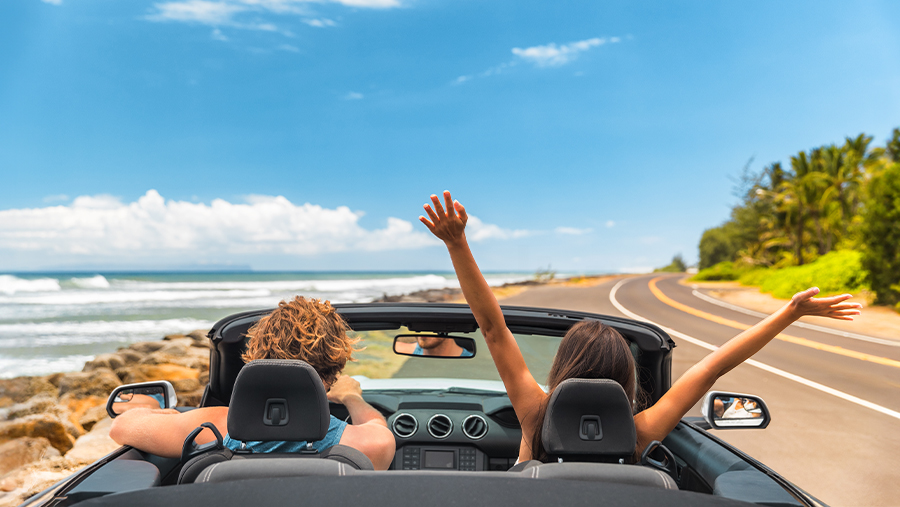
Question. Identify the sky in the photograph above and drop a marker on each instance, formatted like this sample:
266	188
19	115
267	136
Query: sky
589	137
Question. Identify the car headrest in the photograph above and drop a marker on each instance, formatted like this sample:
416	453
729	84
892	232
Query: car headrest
589	420
278	399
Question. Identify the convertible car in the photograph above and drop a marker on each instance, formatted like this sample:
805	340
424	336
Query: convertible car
456	432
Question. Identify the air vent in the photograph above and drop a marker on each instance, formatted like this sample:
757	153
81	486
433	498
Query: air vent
440	426
475	427
405	425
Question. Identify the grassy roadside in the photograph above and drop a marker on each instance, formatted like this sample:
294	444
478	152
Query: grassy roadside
837	272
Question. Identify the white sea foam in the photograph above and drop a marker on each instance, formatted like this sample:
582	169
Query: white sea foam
10	284
112	296
157	328
16	366
94	282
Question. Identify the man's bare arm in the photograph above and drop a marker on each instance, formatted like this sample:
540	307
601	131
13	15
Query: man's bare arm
162	432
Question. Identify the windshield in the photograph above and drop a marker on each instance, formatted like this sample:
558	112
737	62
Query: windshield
377	359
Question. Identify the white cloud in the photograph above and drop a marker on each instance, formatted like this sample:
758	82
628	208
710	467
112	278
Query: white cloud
56	198
319	23
228	12
102	227
476	230
218	35
551	55
354	96
574	231
53	2
197	11
610	224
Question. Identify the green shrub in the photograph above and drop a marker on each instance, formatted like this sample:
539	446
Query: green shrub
721	271
676	266
834	273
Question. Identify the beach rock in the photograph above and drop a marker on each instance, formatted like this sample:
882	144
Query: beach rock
108	361
129	356
200	337
174	337
22	451
147	347
19	389
94	444
92	416
78	406
99	382
148	372
39	425
35	405
204	378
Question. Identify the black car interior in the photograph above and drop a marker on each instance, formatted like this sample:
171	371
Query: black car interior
588	430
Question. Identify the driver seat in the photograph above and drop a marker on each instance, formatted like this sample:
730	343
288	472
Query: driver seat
276	400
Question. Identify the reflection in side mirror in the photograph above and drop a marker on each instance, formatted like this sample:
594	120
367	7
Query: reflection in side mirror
430	345
735	411
157	394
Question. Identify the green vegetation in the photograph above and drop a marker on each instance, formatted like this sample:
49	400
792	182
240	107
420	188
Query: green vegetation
839	204
833	273
726	270
676	266
881	235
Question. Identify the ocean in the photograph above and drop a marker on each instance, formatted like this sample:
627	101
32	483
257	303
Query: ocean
54	322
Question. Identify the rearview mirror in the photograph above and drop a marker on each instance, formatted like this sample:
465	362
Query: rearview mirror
734	411
430	345
157	394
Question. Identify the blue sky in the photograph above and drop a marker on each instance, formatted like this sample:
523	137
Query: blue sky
590	136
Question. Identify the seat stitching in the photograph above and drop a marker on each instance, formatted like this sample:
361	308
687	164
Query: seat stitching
206	473
664	478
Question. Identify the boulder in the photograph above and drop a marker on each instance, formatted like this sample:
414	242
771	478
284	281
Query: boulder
175	337
35	405
147	347
39	425
94	444
108	361
19	389
92	416
22	451
78	406
99	382
200	337
129	356
148	372
190	399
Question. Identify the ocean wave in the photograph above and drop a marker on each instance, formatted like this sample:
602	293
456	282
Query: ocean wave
48	334
320	285
115	296
94	282
16	366
10	284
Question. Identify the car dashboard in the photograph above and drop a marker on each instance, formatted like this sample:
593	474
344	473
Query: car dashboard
447	431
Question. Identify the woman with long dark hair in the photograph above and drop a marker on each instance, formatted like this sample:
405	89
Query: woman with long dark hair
592	350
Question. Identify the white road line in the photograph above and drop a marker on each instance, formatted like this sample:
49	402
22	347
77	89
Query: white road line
752	362
823	329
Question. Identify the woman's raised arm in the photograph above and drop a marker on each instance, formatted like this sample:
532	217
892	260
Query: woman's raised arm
657	421
449	226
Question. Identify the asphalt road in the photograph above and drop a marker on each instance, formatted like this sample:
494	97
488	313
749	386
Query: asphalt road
835	401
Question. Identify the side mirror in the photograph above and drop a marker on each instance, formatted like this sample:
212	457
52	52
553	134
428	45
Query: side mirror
157	394
725	411
430	345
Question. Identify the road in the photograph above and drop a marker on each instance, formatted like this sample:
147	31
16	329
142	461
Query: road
835	400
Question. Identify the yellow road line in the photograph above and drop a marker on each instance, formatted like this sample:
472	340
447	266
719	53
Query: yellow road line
783	337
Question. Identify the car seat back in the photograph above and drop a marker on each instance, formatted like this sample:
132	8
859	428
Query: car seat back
589	420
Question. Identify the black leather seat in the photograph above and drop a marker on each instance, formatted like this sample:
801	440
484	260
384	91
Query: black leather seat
589	422
276	400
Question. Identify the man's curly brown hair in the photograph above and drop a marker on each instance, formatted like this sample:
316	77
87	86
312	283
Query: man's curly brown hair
305	329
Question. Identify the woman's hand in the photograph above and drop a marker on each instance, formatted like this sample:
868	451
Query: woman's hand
803	303
449	226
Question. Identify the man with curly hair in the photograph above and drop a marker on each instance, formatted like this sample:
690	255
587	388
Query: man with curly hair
304	329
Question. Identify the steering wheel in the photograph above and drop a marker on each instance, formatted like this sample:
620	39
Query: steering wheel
667	464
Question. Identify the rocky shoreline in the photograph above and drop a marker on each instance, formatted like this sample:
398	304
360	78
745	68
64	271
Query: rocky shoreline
52	426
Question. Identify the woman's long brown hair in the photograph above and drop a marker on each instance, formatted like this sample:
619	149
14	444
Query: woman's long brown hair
590	349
